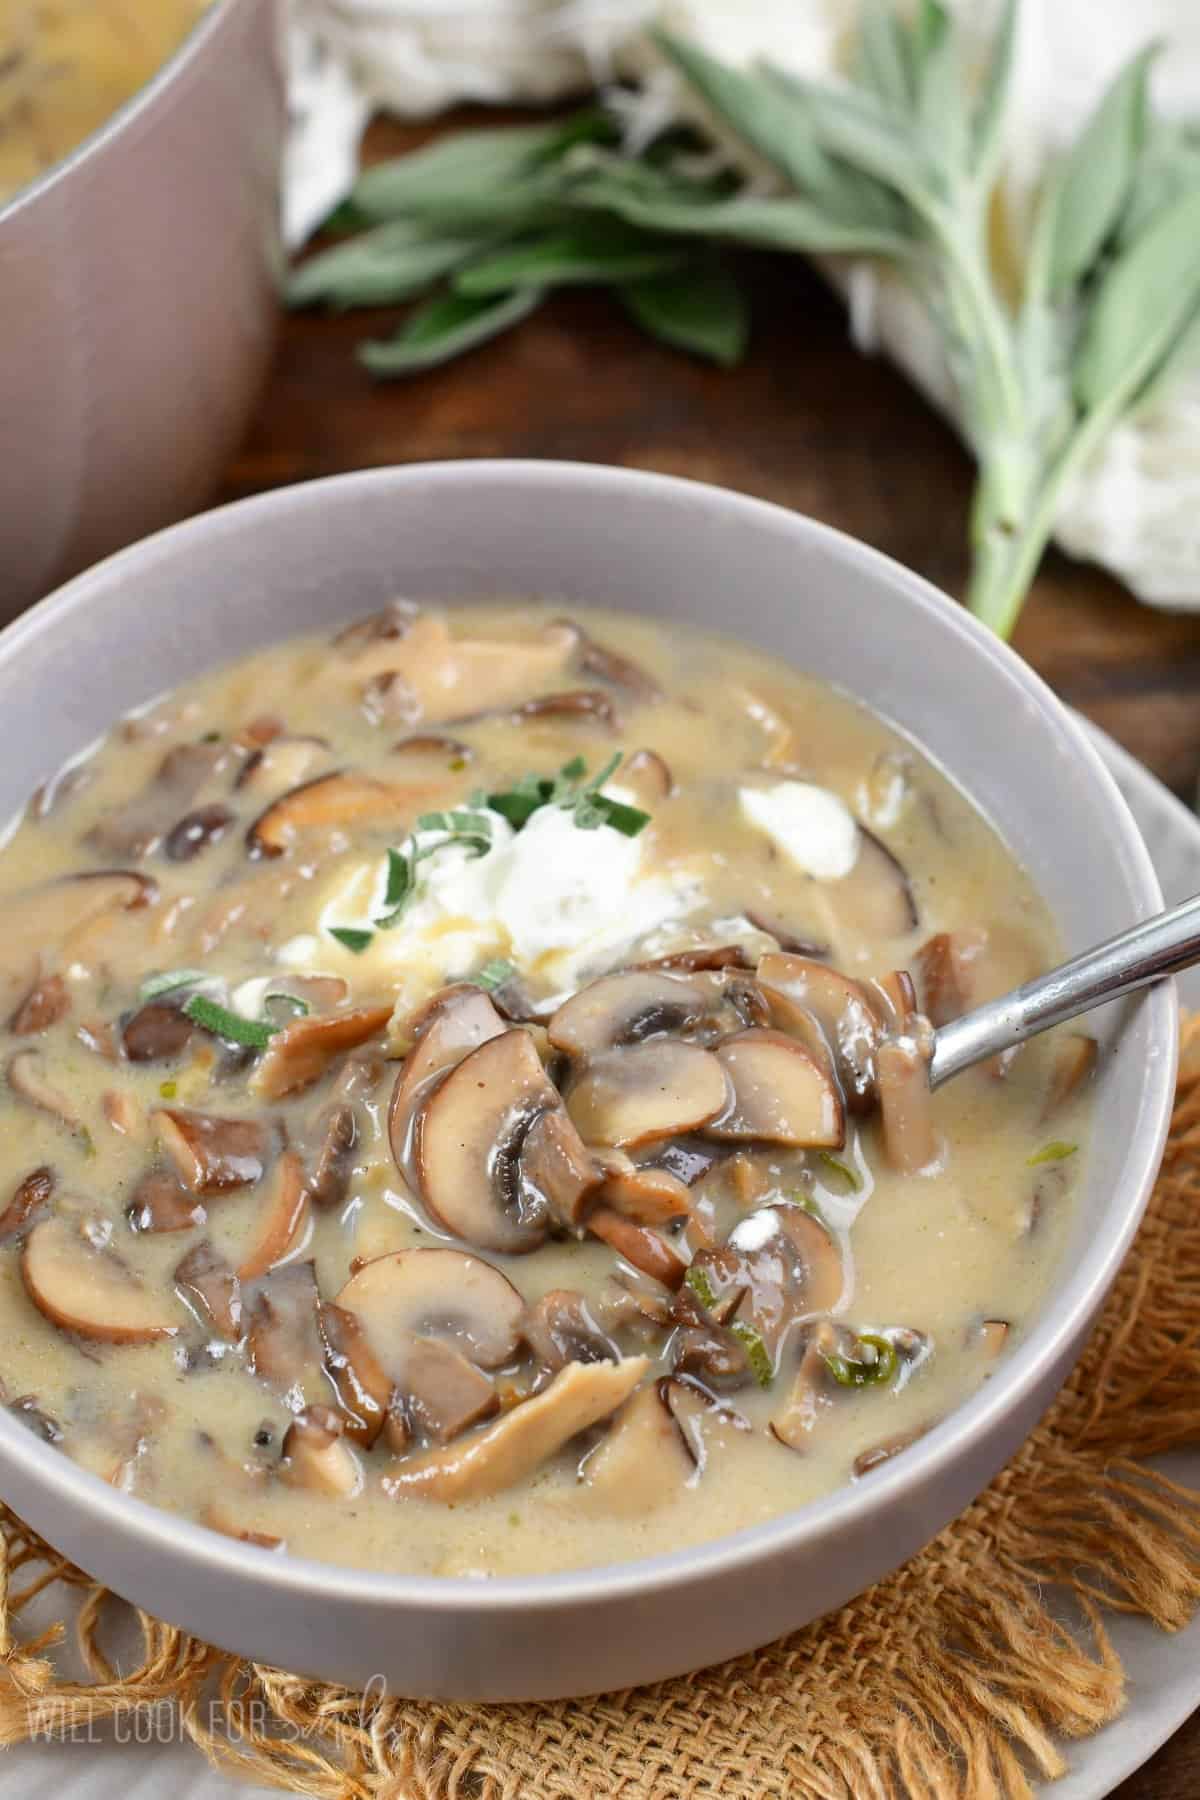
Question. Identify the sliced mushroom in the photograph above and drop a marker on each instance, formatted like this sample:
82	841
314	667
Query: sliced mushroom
437	1391
123	1110
444	1294
283	763
783	1264
1074	1062
29	1201
432	676
325	803
213	1155
362	1387
316	1455
781	1093
44	1005
789	941
561	1328
800	991
881	1453
704	1346
644	1248
588	705
283	1221
648	778
628	1008
336	1136
906	1105
140	826
875	900
991	1335
53	912
161	1203
209	1286
431	760
303	1051
794	1422
391	623
469	1138
558	1175
705	1423
649	1091
157	1032
644	1461
77	1280
494	1458
455	1022
592	658
946	973
705	958
217	1519
196	831
27	1077
283	1335
648	1195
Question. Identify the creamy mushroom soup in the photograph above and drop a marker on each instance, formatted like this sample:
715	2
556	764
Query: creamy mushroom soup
466	1104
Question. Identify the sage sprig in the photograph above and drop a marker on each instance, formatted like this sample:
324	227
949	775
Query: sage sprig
899	164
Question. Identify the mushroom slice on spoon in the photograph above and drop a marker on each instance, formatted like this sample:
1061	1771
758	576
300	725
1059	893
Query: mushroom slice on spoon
781	1093
649	1091
799	991
80	1283
306	1049
644	1461
503	1453
469	1137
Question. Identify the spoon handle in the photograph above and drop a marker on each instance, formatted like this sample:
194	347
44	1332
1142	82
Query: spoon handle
1147	952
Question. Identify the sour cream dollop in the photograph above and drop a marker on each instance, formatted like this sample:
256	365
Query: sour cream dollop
812	827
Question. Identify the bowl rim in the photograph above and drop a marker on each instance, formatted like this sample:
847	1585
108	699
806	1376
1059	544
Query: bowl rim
206	25
199	1549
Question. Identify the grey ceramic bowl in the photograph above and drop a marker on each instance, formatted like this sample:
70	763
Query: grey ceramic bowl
317	555
138	306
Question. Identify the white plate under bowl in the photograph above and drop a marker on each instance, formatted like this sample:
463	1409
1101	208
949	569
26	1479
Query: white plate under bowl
1163	1670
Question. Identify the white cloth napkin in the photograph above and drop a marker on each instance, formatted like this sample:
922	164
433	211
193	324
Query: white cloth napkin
1136	509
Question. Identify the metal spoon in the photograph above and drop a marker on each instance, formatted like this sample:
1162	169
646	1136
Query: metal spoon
1145	953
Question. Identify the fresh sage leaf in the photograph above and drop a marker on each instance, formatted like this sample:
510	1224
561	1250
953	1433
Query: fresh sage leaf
444	328
462	174
885	55
852	124
785	223
757	1354
170	982
592	250
941	107
251	1033
701	309
992	104
394	262
1144	304
1094	184
355	940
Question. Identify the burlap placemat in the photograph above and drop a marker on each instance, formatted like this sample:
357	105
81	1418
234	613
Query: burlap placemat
950	1681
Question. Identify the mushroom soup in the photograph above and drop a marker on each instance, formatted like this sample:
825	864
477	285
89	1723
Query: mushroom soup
466	1106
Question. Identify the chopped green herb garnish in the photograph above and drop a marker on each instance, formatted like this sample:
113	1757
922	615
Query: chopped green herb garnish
252	1033
873	1365
353	939
291	1004
570	790
701	1286
1055	1152
493	975
835	1166
469	828
167	983
756	1352
168	1090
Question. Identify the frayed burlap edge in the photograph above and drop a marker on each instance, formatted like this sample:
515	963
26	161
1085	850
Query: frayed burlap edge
956	1679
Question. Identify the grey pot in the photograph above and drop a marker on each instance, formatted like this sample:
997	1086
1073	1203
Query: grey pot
138	306
312	557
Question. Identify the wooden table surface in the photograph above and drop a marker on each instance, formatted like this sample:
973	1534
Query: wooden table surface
806	422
